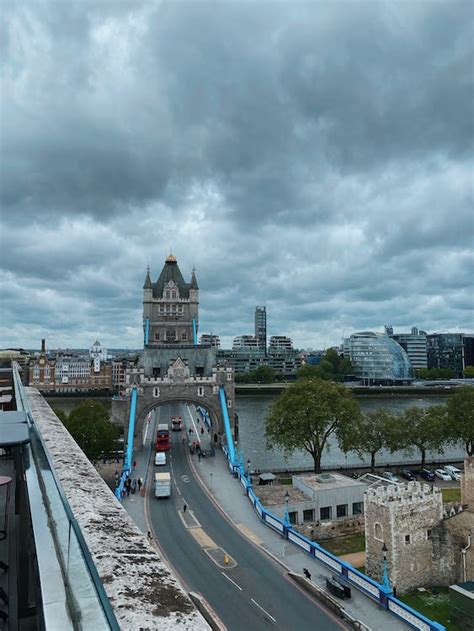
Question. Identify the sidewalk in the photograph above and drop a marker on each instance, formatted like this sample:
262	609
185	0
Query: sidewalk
230	496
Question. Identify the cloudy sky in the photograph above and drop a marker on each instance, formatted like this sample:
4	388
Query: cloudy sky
316	158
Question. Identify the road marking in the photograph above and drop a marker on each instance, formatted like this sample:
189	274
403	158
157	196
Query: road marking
233	582
185	478
262	609
249	533
189	517
202	538
194	424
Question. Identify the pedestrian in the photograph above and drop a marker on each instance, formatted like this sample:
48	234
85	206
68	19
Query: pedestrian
184	440
184	508
139	482
199	455
148	534
202	430
134	464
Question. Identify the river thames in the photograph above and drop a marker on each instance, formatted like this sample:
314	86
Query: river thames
253	409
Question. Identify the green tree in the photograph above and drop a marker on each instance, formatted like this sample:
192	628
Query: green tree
61	414
308	371
307	413
368	434
264	374
469	372
460	410
90	427
423	428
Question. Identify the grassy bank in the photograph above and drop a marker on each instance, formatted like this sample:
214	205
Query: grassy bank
433	606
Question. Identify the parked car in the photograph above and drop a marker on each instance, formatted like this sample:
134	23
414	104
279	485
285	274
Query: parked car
414	472
443	475
408	475
427	475
388	475
160	458
454	472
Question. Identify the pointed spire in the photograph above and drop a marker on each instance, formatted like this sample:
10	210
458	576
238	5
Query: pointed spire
147	284
194	284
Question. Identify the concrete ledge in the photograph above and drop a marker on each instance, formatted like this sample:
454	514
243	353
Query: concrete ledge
208	613
328	601
142	590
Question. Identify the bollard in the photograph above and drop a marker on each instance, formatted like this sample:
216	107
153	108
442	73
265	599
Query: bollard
226	559
142	491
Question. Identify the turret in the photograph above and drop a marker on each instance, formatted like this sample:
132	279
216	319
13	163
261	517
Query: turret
147	286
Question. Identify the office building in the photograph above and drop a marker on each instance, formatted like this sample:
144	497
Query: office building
246	342
377	358
207	339
280	344
415	345
446	350
261	327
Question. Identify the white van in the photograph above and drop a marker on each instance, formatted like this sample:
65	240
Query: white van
160	458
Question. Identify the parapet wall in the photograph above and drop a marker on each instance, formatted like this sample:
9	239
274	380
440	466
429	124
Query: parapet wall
142	590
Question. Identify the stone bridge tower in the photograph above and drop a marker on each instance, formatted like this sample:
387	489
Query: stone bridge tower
172	367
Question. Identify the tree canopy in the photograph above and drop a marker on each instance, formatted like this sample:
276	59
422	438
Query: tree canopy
423	428
332	367
307	413
368	434
460	410
90	427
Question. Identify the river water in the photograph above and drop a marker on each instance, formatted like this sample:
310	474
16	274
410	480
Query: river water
253	410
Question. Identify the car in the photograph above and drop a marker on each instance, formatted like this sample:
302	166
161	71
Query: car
443	475
160	458
414	472
388	475
408	475
454	472
427	475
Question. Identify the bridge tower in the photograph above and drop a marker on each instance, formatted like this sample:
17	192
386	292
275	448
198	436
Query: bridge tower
172	366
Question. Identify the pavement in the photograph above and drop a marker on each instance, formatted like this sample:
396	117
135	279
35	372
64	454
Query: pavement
205	484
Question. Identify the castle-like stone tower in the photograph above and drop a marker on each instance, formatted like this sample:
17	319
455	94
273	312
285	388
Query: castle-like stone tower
170	305
403	517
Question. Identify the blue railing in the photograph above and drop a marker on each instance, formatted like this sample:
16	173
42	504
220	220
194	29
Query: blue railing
374	590
129	452
205	416
228	430
195	333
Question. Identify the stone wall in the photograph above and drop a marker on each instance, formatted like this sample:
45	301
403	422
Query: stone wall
467	483
403	517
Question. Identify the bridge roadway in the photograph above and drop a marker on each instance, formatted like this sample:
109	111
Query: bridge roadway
253	595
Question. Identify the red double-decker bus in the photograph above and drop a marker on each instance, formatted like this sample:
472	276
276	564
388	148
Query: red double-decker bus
163	437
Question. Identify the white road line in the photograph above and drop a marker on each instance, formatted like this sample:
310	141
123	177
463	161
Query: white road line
233	582
262	609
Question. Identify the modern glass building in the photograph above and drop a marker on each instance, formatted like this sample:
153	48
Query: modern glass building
377	358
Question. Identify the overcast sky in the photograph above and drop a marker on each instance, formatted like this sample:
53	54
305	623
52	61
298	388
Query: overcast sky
316	158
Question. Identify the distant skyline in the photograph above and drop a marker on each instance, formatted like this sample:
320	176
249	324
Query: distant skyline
313	158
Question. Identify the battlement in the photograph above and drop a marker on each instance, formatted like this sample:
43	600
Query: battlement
400	495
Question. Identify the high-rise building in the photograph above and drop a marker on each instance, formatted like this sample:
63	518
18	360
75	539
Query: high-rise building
414	344
208	339
246	342
446	350
468	349
280	344
261	327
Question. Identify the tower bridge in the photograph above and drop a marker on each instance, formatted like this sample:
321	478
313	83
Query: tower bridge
173	367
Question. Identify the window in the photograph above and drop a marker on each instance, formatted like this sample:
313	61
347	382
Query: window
36	372
341	510
378	531
157	335
167	308
357	508
325	513
428	534
293	515
308	515
229	403
184	336
180	308
156	392
200	391
173	295
407	538
229	376
167	294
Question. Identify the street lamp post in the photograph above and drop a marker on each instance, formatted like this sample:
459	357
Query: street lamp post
287	514
248	472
